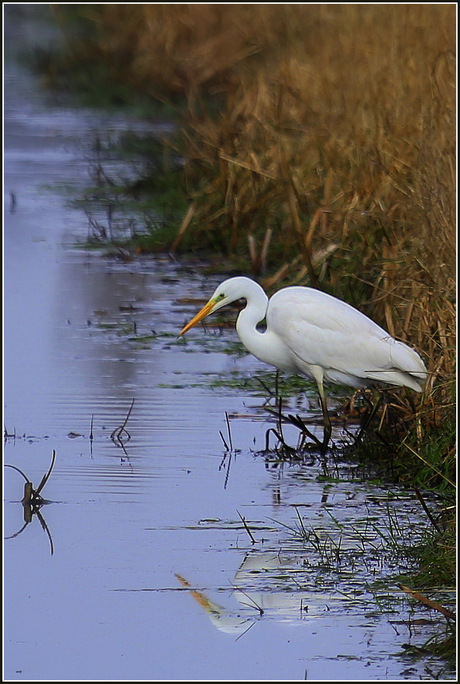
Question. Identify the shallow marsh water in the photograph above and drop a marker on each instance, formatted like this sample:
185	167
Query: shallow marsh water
141	566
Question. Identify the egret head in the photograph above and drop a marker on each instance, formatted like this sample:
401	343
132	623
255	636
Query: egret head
227	292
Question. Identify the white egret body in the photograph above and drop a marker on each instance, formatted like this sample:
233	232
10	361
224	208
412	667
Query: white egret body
319	336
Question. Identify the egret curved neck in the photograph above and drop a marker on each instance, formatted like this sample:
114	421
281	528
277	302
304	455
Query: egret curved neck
257	343
265	346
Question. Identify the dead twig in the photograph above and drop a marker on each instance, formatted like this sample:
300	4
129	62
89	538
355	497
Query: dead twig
118	435
428	602
251	536
427	510
32	501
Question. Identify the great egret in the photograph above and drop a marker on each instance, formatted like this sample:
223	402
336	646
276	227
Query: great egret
319	336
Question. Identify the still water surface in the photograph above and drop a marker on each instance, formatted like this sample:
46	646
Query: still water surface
141	567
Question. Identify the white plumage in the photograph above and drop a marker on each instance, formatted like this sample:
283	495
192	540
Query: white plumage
349	347
319	336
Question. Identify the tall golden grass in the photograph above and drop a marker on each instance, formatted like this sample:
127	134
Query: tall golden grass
331	158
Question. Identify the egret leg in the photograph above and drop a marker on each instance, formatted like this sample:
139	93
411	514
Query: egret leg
327	421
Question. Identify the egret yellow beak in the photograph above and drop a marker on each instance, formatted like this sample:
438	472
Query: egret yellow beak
205	311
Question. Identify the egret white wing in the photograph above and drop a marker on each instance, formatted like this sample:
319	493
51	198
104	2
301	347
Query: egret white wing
322	331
